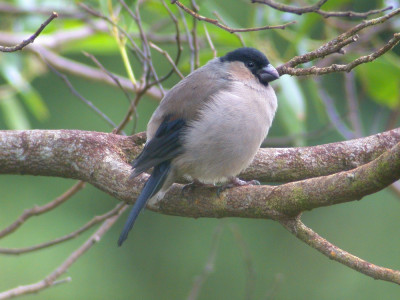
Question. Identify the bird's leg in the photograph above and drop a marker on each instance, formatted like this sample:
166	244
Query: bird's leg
234	181
191	186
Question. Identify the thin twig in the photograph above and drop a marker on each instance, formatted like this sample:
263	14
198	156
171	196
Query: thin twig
189	39
351	99
332	113
38	210
78	95
209	40
52	278
316	9
72	235
227	28
209	267
311	238
195	9
123	31
168	57
11	9
237	34
31	39
86	72
177	38
347	67
148	60
335	46
109	74
248	260
117	82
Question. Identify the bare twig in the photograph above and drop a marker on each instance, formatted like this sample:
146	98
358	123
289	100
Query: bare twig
351	98
195	9
335	46
224	27
168	57
120	29
74	234
311	238
316	9
209	40
248	260
237	34
129	113
209	267
332	113
10	9
189	39
51	279
32	38
109	74
38	210
177	38
86	72
78	95
347	67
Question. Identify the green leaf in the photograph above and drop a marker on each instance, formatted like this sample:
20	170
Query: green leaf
31	98
291	108
381	80
13	113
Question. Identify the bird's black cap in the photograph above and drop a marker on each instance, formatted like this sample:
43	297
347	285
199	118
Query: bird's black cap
255	61
246	54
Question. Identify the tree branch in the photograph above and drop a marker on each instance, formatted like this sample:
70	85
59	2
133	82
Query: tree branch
316	9
32	38
336	46
102	160
38	210
224	27
72	235
311	238
51	279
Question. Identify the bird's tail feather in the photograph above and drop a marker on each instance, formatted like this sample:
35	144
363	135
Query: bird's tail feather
152	186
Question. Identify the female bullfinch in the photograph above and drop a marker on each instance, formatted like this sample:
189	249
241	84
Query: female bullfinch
208	127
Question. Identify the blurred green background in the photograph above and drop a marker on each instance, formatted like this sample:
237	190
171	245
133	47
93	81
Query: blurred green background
255	259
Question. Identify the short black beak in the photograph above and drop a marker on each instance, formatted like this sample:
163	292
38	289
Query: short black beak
268	74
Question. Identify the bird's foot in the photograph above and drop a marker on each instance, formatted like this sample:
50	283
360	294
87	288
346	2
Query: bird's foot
233	182
187	188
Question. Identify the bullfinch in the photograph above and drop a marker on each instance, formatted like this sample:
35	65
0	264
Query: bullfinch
208	127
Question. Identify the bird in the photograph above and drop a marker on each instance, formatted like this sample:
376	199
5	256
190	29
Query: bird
208	127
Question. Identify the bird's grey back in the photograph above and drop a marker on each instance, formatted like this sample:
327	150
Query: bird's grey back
194	91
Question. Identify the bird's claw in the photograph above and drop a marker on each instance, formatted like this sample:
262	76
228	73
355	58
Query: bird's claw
236	182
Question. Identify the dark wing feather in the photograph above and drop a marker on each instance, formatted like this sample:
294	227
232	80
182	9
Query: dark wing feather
165	145
152	186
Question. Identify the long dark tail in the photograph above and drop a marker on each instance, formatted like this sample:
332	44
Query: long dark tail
152	186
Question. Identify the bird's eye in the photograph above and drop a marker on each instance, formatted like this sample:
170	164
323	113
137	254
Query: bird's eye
250	64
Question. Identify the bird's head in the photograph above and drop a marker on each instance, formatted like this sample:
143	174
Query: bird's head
246	59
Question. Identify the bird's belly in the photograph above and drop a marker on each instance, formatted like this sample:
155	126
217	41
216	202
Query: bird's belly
223	142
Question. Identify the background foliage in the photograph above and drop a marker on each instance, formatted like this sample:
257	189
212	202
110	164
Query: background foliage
255	259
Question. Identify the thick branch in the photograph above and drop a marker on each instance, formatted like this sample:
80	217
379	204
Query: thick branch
102	160
291	164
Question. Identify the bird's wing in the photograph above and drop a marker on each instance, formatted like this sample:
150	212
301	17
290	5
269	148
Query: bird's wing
164	146
152	186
